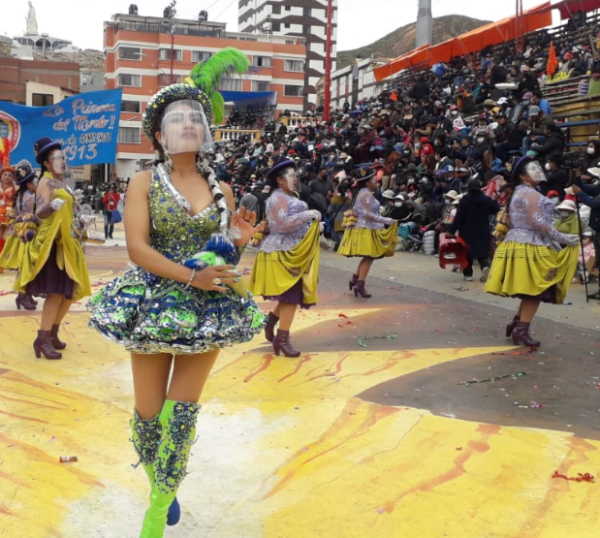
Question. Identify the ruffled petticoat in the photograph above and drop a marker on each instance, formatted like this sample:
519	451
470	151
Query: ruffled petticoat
148	314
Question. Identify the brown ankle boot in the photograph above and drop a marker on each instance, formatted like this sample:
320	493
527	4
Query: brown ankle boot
43	345
282	343
359	289
270	327
56	343
521	335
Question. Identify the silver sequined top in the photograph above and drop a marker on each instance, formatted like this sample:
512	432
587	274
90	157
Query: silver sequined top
366	208
531	219
174	233
288	219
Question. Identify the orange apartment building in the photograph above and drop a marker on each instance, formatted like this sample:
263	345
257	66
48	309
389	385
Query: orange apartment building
137	53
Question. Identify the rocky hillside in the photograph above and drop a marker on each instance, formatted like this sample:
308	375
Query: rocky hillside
402	40
87	59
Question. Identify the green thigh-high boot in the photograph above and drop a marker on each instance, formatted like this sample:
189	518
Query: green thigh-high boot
178	423
145	437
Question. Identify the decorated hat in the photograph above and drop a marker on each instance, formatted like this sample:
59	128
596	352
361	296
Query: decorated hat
517	168
280	164
362	175
201	86
44	146
24	173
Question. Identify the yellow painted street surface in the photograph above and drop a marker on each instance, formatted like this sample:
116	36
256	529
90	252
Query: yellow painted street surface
287	448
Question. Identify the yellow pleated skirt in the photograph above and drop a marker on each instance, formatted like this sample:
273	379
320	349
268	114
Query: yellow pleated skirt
11	255
522	269
369	243
274	273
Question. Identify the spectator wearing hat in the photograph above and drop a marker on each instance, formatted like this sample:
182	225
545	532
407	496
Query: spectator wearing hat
367	238
286	268
568	219
23	227
527	263
472	222
58	274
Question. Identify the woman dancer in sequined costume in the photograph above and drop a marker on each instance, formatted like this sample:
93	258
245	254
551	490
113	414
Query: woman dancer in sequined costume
286	269
8	192
530	263
367	238
174	319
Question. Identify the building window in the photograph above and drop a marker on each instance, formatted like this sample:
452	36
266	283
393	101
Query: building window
261	61
276	27
292	91
164	79
297	66
306	12
86	79
130	80
287	24
260	86
290	42
306	29
42	99
130	53
231	85
131	106
288	8
165	54
277	10
200	56
129	135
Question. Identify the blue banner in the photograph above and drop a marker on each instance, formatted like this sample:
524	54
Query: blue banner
87	125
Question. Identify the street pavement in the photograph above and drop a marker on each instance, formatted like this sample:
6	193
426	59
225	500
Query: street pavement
408	415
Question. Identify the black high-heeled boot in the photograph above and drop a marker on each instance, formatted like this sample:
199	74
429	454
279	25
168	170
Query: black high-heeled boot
22	301
352	282
359	289
270	327
511	326
55	340
282	343
520	335
43	346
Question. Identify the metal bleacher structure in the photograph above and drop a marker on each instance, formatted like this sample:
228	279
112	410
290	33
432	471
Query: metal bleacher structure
577	116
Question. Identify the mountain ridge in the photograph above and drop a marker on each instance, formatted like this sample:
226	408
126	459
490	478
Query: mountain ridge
402	40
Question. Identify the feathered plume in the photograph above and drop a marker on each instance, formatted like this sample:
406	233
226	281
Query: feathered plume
4	153
208	76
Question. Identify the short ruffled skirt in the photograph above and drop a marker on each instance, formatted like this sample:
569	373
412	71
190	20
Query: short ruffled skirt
529	271
147	314
369	243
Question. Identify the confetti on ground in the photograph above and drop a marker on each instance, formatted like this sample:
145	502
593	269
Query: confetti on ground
490	379
517	353
586	477
361	340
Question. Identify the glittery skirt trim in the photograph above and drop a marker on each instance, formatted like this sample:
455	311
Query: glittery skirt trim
148	314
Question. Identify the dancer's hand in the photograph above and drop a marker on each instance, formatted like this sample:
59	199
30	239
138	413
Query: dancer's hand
215	278
57	203
314	214
572	240
245	221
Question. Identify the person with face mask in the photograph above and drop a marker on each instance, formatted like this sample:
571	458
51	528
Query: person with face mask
173	318
287	267
568	219
53	263
557	178
367	237
529	263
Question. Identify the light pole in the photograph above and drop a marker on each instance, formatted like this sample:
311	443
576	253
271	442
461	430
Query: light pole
169	14
327	97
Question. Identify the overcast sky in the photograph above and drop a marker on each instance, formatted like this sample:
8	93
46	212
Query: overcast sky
361	22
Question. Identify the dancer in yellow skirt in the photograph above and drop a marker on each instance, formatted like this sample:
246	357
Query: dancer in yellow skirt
530	263
366	234
287	267
23	226
53	263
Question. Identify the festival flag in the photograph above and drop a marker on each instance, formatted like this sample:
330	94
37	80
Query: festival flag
552	64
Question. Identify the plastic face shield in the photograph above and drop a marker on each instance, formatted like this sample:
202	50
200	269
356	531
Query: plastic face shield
184	129
535	171
291	178
57	162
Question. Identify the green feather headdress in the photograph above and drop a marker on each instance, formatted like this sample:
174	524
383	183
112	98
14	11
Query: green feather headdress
201	86
209	74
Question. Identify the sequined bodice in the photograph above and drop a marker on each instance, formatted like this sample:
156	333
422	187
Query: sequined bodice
173	232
